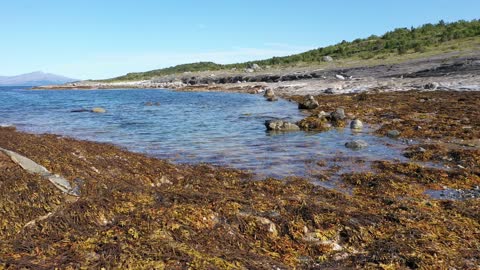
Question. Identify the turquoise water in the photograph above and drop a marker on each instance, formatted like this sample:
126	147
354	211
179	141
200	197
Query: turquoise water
217	128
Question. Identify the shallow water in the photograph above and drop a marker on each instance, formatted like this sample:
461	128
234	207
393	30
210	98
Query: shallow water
218	128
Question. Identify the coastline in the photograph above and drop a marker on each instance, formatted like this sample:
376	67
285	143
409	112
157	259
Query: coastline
204	216
448	71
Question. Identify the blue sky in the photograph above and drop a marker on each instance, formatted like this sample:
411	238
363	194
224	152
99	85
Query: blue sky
105	38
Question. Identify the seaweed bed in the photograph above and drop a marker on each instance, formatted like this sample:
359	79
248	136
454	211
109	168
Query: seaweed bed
143	213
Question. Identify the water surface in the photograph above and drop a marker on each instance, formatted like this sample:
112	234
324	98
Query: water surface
219	128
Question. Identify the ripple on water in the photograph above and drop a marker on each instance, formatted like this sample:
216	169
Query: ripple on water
218	128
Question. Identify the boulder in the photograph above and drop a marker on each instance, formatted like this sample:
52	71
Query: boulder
327	58
338	115
279	125
356	145
313	123
308	103
356	124
269	93
393	133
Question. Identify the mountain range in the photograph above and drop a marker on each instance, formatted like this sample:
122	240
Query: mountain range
34	79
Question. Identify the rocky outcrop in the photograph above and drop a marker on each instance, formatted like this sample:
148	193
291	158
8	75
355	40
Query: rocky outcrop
279	125
309	103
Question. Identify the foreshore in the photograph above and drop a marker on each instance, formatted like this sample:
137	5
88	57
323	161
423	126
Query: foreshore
449	71
134	211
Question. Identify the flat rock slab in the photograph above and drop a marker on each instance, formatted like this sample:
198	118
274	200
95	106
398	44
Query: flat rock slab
34	168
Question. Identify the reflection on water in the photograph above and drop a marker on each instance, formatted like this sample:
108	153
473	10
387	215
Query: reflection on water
217	128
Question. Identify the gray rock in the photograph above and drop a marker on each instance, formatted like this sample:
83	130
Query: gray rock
431	86
308	103
279	125
249	70
269	93
327	58
340	77
356	124
338	114
356	145
393	133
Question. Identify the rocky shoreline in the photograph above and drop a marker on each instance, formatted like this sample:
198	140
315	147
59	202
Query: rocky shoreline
136	211
450	71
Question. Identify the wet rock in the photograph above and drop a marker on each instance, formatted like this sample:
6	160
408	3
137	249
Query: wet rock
356	145
356	124
431	86
271	99
99	110
393	133
313	123
327	58
269	93
338	115
279	125
308	103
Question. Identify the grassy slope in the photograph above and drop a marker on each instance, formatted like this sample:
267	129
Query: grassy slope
395	46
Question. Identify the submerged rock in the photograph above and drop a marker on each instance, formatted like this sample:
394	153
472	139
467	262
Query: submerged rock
99	110
356	124
357	144
274	98
393	133
279	125
308	103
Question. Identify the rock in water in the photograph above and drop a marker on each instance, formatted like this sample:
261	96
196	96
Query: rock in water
279	125
99	110
393	133
327	58
308	103
269	93
356	124
356	145
337	115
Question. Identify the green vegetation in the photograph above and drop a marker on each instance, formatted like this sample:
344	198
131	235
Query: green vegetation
399	41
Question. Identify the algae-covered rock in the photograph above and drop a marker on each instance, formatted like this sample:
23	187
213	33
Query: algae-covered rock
314	123
279	125
309	103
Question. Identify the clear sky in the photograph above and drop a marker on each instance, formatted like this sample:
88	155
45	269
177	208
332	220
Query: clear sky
104	38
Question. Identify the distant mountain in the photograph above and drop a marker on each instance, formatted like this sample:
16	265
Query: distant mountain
34	79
